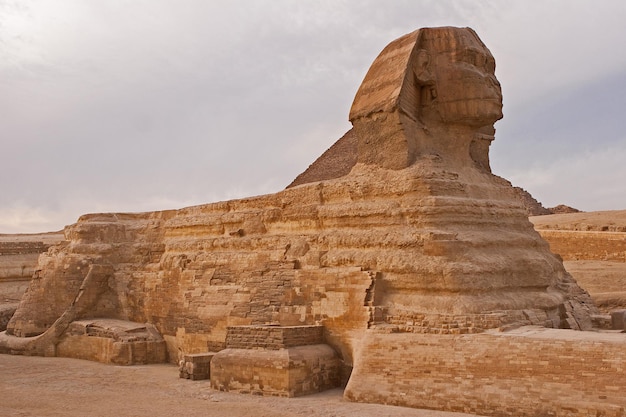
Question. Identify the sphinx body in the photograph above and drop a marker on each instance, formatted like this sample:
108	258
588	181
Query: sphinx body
413	235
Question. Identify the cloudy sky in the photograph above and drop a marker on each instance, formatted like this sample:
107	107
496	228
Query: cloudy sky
153	104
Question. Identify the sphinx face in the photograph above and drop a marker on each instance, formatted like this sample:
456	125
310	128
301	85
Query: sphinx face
466	88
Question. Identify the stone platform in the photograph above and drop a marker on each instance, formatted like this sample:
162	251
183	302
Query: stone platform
284	361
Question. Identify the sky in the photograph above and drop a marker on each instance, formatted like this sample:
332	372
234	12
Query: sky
140	105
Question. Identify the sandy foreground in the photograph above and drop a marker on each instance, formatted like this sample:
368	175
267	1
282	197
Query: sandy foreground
35	386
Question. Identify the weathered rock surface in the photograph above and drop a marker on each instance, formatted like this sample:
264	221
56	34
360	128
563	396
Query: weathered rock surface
432	250
6	312
116	342
418	237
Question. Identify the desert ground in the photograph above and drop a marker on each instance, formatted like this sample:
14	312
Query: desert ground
35	386
607	221
593	248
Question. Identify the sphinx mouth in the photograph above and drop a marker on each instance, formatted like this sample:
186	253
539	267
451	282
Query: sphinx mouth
468	109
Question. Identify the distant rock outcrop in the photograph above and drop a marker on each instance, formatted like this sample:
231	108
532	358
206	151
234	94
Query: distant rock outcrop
562	209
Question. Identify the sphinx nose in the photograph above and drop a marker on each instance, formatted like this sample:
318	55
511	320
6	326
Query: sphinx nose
493	81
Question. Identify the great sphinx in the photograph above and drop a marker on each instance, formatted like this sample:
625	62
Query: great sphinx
400	228
427	109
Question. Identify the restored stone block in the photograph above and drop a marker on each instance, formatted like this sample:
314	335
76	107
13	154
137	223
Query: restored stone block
273	337
287	372
527	372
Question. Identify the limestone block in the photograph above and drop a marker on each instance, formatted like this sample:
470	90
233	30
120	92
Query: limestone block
602	321
618	319
113	341
196	366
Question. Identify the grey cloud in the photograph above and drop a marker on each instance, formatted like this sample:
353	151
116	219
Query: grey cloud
126	106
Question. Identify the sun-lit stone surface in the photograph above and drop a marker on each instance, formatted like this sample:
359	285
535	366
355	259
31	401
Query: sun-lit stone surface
417	241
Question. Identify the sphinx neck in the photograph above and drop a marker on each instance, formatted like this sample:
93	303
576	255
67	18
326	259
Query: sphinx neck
459	146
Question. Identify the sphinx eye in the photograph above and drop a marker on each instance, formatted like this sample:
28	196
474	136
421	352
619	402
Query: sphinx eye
478	59
472	57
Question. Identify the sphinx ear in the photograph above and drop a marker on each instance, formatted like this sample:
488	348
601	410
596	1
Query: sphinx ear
423	77
422	65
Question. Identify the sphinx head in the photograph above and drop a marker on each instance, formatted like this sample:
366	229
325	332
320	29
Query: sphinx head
430	92
456	75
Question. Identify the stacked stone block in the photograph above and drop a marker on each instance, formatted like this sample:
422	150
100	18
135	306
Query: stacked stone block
471	323
273	337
